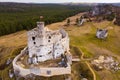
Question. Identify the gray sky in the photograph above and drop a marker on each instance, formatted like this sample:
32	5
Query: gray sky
61	1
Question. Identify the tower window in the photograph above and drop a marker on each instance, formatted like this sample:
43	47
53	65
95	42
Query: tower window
49	37
34	42
33	38
48	40
40	56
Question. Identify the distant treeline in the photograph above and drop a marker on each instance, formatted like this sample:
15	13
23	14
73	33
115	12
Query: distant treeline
18	16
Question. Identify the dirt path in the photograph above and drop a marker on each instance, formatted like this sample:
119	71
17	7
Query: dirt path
87	63
94	75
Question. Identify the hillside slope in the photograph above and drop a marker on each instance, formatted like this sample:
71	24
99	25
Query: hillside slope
82	37
23	16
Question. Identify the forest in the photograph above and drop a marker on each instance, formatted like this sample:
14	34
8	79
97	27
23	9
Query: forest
23	16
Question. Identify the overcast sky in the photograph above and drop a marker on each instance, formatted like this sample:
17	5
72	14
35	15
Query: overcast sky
62	1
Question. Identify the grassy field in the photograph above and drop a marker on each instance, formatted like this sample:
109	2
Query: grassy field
81	38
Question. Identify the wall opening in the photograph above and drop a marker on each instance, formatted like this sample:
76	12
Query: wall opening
49	37
33	38
40	56
34	42
48	40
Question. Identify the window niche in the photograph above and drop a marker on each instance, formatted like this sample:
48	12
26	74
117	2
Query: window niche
49	37
48	40
33	38
40	55
34	42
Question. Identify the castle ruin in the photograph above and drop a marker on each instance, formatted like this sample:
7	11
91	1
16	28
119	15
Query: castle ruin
47	53
45	44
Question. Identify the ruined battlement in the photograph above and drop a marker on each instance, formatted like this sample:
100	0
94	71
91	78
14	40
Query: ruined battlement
47	53
41	25
45	44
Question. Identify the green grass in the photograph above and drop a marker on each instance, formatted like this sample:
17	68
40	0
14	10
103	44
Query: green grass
97	75
111	43
83	39
87	54
75	51
4	73
81	69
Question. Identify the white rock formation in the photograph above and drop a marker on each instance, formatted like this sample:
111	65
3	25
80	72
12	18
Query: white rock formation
101	33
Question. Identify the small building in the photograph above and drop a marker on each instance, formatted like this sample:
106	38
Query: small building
101	33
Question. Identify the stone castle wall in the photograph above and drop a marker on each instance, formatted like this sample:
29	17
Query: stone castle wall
45	44
47	72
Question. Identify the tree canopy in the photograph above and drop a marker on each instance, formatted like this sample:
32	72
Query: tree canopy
20	16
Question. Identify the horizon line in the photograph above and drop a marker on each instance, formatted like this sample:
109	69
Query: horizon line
56	2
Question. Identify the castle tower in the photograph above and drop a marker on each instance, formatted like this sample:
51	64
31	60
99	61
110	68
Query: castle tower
40	26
